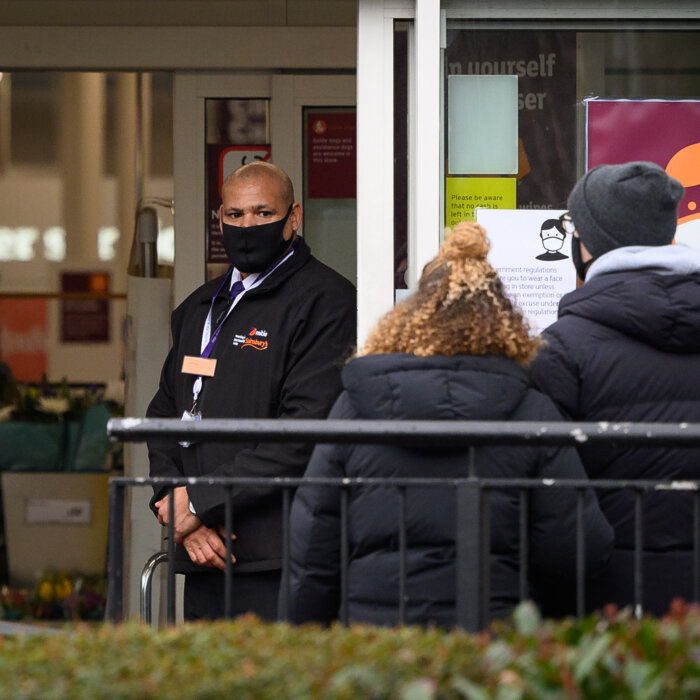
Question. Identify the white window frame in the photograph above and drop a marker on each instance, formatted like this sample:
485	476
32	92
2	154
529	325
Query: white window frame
375	154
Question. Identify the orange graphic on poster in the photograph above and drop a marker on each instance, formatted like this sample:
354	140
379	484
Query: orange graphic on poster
23	327
685	167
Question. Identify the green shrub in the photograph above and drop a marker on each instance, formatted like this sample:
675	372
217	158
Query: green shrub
610	656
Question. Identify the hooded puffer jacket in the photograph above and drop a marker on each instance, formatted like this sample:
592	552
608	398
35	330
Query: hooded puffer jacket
626	348
398	386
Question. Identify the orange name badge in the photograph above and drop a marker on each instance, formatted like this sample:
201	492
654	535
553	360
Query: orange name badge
201	366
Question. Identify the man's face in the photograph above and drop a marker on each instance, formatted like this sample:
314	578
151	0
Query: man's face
258	200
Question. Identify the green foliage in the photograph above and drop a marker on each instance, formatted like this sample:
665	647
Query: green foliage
52	402
609	656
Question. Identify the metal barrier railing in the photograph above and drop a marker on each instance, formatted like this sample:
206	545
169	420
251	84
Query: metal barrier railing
473	522
147	584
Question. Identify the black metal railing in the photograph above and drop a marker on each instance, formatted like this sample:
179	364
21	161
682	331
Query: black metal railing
472	493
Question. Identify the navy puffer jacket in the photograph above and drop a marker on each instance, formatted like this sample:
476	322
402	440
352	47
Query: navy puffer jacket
626	348
397	386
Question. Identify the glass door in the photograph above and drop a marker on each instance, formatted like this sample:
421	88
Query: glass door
222	120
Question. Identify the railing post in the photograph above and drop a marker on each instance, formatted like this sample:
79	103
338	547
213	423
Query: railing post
580	557
638	555
170	615
344	555
228	573
696	547
115	559
524	573
472	552
403	571
286	553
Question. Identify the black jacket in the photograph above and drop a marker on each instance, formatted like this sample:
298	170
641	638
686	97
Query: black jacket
400	386
626	347
302	319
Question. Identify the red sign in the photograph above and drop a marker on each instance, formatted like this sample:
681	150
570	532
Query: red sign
665	132
332	165
23	337
85	320
222	160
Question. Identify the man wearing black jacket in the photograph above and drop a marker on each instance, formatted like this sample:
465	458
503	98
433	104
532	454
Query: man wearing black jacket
626	347
265	341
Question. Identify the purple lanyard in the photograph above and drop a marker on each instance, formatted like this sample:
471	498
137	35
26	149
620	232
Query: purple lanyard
236	289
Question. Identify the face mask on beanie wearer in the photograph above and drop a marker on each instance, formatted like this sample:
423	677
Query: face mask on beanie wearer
581	267
255	248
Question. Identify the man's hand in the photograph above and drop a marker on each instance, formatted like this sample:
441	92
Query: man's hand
184	522
204	547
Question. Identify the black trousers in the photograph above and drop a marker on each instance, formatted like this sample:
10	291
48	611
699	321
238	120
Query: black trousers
252	592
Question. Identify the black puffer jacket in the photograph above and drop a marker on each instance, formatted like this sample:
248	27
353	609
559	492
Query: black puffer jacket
407	387
626	347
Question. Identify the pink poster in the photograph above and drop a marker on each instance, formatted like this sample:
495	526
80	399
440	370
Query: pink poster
331	155
666	132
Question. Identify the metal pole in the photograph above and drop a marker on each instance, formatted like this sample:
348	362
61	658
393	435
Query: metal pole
638	554
524	545
580	557
171	558
402	556
286	551
147	584
228	575
468	552
344	553
115	565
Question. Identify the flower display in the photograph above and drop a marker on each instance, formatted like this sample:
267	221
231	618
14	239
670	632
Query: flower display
56	596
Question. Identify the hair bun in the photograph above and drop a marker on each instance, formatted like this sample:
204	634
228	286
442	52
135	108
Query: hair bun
466	240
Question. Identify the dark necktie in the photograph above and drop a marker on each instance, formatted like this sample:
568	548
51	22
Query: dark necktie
222	303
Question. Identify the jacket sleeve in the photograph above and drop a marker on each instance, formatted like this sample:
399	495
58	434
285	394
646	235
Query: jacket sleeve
554	371
164	455
314	579
324	335
553	517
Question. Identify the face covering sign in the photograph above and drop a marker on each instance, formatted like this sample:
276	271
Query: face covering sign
532	254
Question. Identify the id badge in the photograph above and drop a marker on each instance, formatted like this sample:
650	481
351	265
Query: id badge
187	415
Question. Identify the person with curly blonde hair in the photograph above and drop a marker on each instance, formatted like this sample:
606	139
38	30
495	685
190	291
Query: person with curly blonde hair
460	307
454	350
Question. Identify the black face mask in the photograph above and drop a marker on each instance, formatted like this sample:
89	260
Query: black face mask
255	248
581	267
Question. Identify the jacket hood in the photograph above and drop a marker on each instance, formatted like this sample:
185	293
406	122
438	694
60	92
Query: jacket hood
401	386
648	293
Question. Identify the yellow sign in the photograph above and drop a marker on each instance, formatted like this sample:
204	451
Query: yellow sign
463	195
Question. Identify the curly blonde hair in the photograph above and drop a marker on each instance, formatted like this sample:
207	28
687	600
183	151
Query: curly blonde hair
460	307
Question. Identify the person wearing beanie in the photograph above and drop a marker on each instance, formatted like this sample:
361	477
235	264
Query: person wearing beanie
626	348
453	350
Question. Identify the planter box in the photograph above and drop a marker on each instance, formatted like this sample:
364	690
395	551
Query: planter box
54	520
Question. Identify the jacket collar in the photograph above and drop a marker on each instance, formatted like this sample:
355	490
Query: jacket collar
675	259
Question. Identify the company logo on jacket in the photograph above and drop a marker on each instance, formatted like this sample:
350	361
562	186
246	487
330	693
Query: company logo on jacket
251	340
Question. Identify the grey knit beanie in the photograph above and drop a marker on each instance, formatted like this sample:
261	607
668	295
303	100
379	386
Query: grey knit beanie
629	204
